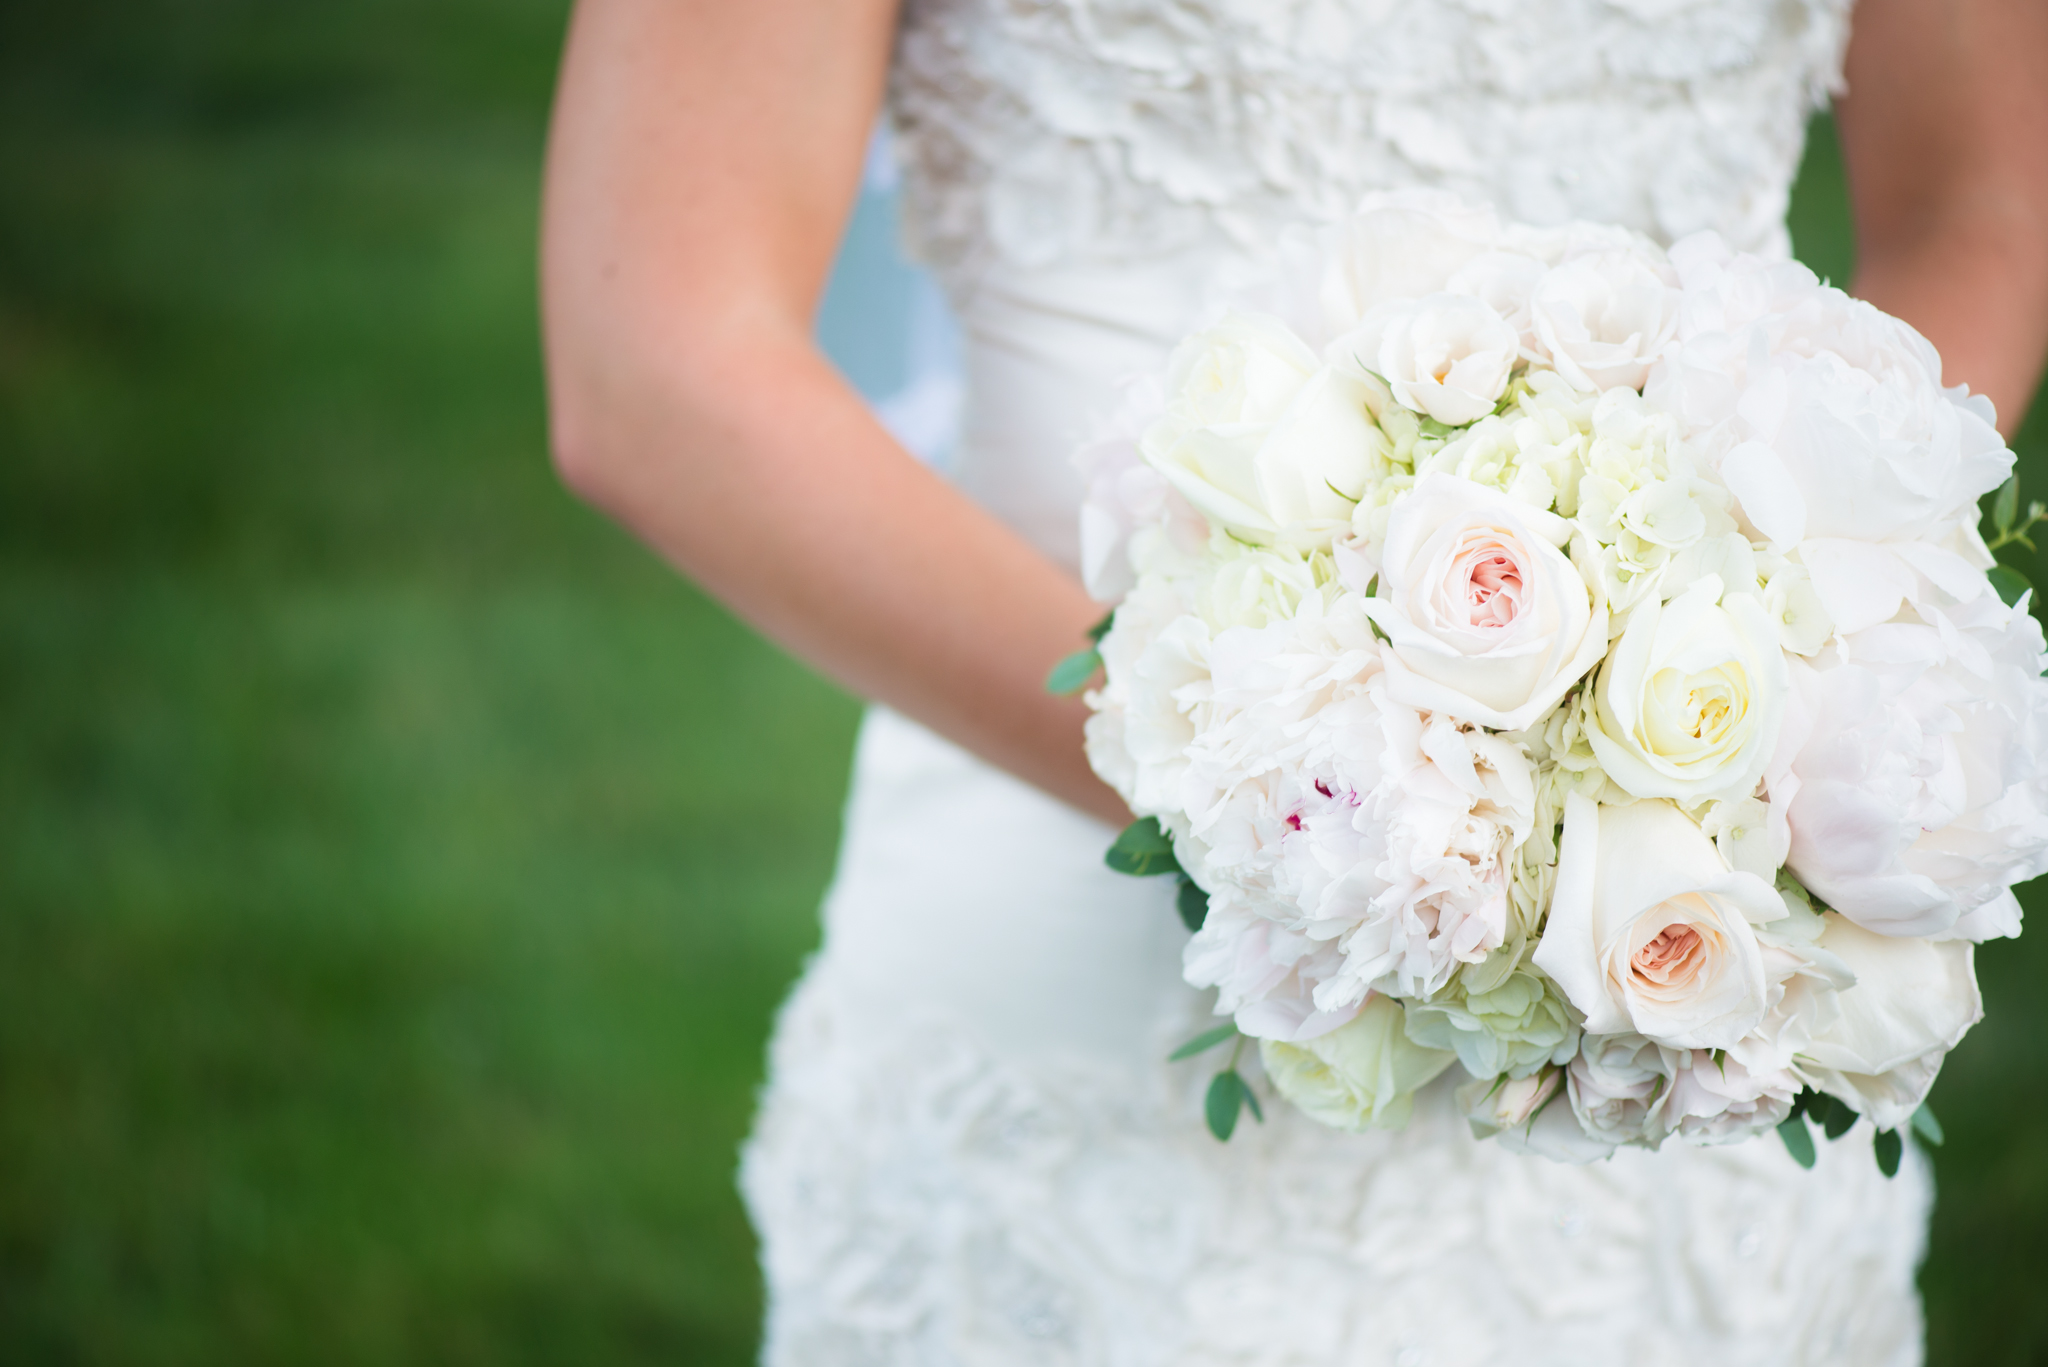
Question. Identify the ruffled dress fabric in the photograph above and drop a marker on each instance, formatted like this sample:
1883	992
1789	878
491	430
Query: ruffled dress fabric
971	1149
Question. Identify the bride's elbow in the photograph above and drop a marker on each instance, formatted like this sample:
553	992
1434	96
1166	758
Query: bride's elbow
582	459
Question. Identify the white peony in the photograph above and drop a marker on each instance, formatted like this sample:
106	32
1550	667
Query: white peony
1921	791
1444	355
1360	1076
1913	1001
1689	701
1831	429
1259	436
1650	933
1340	815
1486	618
1605	318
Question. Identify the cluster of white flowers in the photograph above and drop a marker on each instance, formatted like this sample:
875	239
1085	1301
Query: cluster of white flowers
1574	661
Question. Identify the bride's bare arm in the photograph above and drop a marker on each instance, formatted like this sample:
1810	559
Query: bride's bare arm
703	159
1945	130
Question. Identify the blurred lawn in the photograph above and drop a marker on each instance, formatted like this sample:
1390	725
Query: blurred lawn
398	869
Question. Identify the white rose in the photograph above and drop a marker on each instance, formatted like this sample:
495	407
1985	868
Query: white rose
1650	933
1616	1082
1605	318
1362	1075
1506	281
1689	702
1486	618
1714	1099
1259	436
1913	1001
1444	355
1400	246
1922	791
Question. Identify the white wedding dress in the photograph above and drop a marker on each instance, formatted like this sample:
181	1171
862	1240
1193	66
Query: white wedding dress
972	1149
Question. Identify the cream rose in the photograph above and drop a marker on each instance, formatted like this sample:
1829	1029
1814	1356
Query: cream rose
1447	356
1260	436
1913	1001
1689	702
1487	618
1650	932
1362	1075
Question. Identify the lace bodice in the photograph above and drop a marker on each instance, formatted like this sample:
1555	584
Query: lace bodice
1042	131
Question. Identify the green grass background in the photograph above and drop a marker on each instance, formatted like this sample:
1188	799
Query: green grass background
398	868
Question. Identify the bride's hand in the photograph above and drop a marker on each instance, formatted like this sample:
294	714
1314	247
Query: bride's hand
703	160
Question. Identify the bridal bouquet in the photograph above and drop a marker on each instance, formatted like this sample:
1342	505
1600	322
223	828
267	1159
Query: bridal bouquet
1578	661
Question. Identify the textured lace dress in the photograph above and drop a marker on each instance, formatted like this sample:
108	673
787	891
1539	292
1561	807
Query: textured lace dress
972	1149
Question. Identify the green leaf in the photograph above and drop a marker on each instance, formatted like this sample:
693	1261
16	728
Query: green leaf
1927	1127
1251	1099
2009	583
1072	674
1798	1140
1835	1116
2005	508
1193	904
1225	1100
1101	628
1888	1147
1143	850
1208	1039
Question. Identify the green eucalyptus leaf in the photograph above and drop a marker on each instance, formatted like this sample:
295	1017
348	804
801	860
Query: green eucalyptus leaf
1798	1140
1927	1127
1193	904
2005	508
1208	1039
1225	1100
1143	850
1888	1146
1072	674
2009	583
1835	1116
1101	628
1251	1099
